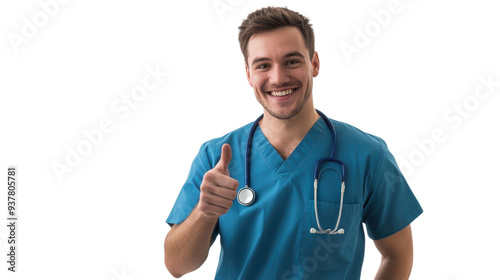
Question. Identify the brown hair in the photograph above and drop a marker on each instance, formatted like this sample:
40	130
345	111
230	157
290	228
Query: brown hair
270	18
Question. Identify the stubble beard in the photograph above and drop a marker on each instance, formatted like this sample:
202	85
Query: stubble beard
293	113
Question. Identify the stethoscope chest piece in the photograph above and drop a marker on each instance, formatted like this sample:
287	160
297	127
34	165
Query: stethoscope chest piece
246	196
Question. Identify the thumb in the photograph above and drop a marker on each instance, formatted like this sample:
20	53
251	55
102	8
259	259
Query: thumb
225	158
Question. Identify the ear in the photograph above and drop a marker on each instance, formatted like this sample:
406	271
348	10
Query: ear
249	79
315	64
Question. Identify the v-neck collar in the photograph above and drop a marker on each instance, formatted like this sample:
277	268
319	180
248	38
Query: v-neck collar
284	168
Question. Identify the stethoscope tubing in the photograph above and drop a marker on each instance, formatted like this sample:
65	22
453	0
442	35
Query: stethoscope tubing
246	195
248	154
333	133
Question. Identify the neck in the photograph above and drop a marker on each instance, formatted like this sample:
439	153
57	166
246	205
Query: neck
285	135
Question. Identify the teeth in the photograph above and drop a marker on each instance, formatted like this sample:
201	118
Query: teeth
281	93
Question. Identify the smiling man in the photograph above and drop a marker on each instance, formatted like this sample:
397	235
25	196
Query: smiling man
274	230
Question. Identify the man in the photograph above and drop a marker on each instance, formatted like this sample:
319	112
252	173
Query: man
273	237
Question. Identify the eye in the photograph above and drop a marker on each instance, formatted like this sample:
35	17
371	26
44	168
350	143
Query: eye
292	62
262	66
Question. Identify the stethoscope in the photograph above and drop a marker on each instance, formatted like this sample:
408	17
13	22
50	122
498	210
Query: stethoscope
246	195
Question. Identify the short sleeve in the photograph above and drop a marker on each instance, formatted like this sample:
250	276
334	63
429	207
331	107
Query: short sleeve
390	205
190	193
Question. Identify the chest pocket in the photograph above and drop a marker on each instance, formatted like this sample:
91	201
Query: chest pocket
327	251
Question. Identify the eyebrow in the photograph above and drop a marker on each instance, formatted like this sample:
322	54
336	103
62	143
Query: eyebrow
260	59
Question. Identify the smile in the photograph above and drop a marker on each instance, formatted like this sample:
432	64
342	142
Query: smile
281	93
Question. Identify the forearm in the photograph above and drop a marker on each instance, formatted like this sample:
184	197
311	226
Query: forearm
187	244
393	268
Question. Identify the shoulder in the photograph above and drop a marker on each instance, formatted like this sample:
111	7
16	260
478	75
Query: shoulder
236	139
235	136
350	137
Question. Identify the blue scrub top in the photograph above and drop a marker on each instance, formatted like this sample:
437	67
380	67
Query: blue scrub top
271	238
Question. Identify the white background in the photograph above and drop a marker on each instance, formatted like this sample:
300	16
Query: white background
106	218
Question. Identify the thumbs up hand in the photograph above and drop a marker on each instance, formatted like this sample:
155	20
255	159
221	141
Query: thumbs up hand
218	189
225	158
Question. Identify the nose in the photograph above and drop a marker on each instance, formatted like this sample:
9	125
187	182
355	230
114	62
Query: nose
278	76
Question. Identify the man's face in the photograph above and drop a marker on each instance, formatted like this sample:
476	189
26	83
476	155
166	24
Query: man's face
280	71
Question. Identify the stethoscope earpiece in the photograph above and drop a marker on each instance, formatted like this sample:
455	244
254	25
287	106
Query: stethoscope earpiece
326	231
